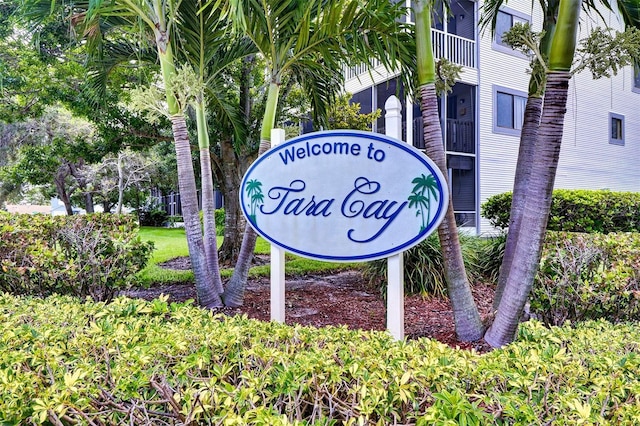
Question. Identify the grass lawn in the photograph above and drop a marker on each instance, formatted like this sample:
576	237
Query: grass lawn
172	242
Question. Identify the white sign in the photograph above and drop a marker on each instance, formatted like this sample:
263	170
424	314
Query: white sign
344	195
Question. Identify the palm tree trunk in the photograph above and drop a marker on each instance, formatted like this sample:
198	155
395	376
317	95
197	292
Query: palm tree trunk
208	207
234	292
528	137
208	296
467	319
535	212
209	220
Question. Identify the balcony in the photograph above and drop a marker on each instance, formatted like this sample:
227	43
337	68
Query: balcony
459	50
460	136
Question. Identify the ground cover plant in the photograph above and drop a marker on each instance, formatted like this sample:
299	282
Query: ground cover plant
64	362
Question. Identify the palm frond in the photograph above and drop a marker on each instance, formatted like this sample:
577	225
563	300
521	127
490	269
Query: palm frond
321	86
112	55
489	15
226	111
630	12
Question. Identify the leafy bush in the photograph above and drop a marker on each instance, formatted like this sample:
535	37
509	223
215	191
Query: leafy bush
151	213
220	221
488	257
137	362
588	276
89	255
577	211
424	266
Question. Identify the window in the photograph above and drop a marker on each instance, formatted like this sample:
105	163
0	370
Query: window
506	19
616	129
508	110
636	77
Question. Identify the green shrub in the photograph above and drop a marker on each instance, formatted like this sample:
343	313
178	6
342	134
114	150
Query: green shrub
137	362
489	252
424	266
577	211
588	276
219	222
152	213
88	255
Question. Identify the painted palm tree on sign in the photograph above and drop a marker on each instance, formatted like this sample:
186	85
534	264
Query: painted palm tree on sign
256	198
423	185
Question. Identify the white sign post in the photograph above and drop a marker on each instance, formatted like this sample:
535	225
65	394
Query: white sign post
277	259
395	263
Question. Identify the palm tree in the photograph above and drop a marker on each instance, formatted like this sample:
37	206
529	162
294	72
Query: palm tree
540	186
159	19
207	44
254	192
522	253
529	131
310	41
468	324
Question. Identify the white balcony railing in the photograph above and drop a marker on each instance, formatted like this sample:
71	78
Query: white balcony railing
458	50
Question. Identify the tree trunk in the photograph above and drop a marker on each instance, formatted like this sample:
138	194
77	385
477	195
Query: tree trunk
207	294
467	319
61	189
88	202
535	212
230	168
234	293
208	213
82	185
208	207
528	139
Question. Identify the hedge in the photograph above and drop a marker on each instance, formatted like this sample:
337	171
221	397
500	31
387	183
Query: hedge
577	211
137	362
88	255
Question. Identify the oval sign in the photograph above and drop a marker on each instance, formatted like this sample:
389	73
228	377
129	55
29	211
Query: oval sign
344	196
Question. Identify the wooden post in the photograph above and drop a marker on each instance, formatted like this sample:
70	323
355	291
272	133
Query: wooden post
277	259
395	263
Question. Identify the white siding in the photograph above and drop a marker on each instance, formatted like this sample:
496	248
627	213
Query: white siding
587	159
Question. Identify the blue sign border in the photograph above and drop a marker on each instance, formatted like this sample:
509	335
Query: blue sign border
437	218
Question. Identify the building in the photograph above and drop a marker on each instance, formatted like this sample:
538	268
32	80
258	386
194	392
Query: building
482	116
